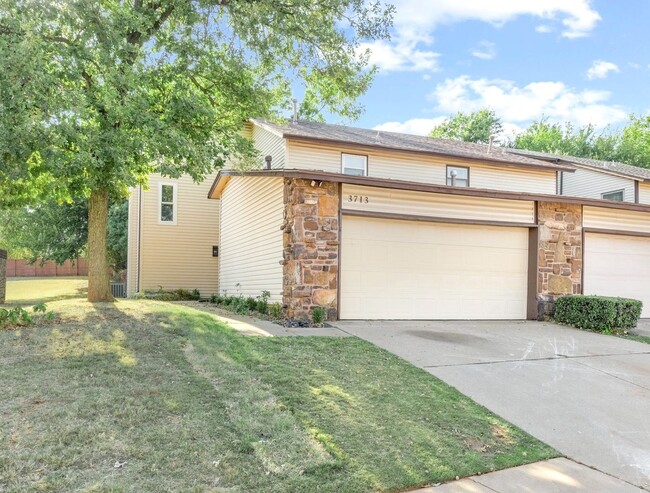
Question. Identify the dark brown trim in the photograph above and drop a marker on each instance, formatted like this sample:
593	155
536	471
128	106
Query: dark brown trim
533	256
472	158
338	274
432	219
431	188
636	191
617	232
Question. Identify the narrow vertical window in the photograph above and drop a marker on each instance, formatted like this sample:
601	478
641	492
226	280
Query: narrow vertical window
167	203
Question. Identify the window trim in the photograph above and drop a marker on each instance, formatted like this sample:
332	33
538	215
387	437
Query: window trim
621	191
365	167
457	167
174	203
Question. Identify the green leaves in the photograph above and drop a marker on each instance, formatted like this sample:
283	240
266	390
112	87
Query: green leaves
104	93
476	126
598	312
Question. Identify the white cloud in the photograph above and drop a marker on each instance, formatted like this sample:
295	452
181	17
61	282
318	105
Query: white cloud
600	69
485	50
415	23
544	28
416	126
517	105
401	56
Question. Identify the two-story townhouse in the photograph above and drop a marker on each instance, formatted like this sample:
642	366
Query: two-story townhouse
379	225
607	180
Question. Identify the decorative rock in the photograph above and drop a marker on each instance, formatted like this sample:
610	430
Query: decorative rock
559	284
324	297
311	249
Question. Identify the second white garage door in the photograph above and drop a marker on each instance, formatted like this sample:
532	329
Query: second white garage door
618	266
393	269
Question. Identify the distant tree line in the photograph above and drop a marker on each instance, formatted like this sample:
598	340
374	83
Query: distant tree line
630	144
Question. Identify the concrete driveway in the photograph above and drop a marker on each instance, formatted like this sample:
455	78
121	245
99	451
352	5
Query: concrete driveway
585	394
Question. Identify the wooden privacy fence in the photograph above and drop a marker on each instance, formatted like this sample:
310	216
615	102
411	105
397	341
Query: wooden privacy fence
20	268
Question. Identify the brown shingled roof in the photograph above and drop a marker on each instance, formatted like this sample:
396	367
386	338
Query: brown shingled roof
615	167
404	142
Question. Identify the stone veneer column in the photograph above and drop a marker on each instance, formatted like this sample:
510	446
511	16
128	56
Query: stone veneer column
3	275
559	262
311	247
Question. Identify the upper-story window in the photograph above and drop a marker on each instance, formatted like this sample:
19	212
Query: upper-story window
354	164
617	195
458	176
167	198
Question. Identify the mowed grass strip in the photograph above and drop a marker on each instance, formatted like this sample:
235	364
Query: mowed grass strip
146	396
31	291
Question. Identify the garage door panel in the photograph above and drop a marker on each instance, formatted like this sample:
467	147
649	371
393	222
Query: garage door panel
616	265
415	270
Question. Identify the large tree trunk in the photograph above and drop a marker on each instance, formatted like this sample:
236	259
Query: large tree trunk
99	282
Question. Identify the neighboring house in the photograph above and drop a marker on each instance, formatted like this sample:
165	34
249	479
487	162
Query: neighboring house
607	180
379	225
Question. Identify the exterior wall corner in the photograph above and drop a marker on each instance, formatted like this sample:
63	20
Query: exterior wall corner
311	247
559	254
3	275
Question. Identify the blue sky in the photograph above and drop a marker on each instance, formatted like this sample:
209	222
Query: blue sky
569	60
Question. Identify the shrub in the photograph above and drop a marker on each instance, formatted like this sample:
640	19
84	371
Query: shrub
251	303
213	298
275	311
318	315
598	313
196	294
262	306
16	317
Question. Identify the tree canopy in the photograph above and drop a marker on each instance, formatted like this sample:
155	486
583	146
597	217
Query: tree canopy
95	96
476	126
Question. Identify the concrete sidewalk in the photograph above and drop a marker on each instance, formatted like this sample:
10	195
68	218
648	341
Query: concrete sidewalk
552	476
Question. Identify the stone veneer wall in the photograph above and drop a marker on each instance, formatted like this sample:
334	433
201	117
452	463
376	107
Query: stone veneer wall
559	264
3	275
311	247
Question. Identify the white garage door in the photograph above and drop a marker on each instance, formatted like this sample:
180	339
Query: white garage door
618	266
419	270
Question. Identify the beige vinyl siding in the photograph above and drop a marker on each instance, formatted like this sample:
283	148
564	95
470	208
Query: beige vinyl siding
386	200
491	177
180	255
133	232
592	184
616	219
251	246
644	193
269	144
418	168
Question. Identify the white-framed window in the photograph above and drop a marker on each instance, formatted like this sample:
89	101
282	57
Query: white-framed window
167	203
616	195
457	176
354	164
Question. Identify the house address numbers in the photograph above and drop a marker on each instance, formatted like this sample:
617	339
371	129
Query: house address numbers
359	199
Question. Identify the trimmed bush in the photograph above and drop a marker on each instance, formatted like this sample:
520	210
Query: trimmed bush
600	313
318	315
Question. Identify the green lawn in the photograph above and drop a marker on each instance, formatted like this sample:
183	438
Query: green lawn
30	291
188	405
